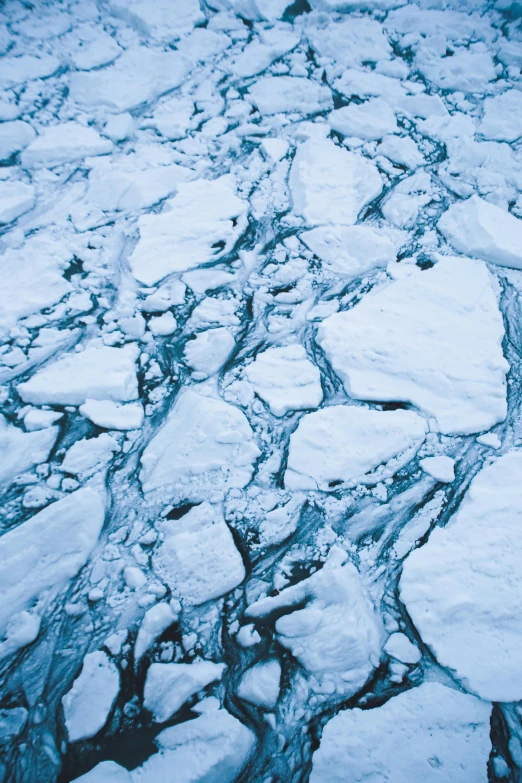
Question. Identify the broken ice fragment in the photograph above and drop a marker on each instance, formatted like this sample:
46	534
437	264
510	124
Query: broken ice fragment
483	230
463	588
430	733
64	143
97	372
113	415
347	445
198	558
286	379
433	339
89	702
155	622
169	685
330	185
260	684
350	251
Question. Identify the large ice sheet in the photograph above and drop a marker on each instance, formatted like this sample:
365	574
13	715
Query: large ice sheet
433	339
430	733
463	588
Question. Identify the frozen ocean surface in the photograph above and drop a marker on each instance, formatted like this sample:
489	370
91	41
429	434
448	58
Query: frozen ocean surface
261	391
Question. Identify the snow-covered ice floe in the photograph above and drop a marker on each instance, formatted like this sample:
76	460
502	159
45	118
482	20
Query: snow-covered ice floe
260	391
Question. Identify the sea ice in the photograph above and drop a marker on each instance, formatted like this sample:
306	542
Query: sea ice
162	20
370	121
96	373
169	685
200	223
16	198
88	704
330	185
64	143
197	556
430	733
286	379
276	94
205	445
483	230
260	684
432	339
349	445
463	588
350	251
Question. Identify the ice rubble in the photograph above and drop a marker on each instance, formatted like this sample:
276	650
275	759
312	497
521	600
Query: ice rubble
348	445
88	704
463	588
189	192
431	733
432	339
205	446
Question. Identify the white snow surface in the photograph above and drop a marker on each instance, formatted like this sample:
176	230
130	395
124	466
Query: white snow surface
463	588
432	339
350	251
431	733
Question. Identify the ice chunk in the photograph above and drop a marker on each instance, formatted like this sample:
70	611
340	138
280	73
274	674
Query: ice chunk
350	251
260	684
463	588
261	10
258	55
350	42
47	550
337	635
464	70
401	150
14	136
96	373
432	339
213	747
198	557
370	121
205	445
483	230
209	351
119	127
275	94
331	185
36	419
105	772
140	75
162	20
198	225
88	704
31	278
430	733
490	439
17	70
25	449
441	468
286	379
89	455
400	647
155	622
89	46
169	685
502	119
112	415
64	143
370	84
348	445
15	199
